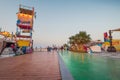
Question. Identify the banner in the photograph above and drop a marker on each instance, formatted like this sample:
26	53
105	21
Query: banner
24	20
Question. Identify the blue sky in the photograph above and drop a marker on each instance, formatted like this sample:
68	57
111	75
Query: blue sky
57	20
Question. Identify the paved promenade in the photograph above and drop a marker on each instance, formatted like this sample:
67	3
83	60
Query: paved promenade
37	66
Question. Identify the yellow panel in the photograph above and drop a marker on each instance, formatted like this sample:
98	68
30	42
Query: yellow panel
23	43
116	44
117	47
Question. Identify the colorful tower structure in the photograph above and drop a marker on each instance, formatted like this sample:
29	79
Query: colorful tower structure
25	20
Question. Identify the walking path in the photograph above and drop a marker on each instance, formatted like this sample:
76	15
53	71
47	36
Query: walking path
36	66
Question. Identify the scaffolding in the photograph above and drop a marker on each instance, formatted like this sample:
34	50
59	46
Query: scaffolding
25	19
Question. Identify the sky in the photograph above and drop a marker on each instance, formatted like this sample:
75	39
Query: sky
57	20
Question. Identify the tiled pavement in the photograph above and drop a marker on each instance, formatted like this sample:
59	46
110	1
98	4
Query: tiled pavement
36	66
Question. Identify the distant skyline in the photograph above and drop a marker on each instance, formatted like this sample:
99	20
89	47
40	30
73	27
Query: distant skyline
57	20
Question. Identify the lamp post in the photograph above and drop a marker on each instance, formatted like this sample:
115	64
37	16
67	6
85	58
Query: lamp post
0	29
110	37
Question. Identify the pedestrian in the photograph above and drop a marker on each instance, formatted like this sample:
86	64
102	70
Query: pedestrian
13	48
49	49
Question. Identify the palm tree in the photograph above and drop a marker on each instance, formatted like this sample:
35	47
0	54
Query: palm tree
83	37
72	42
79	40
